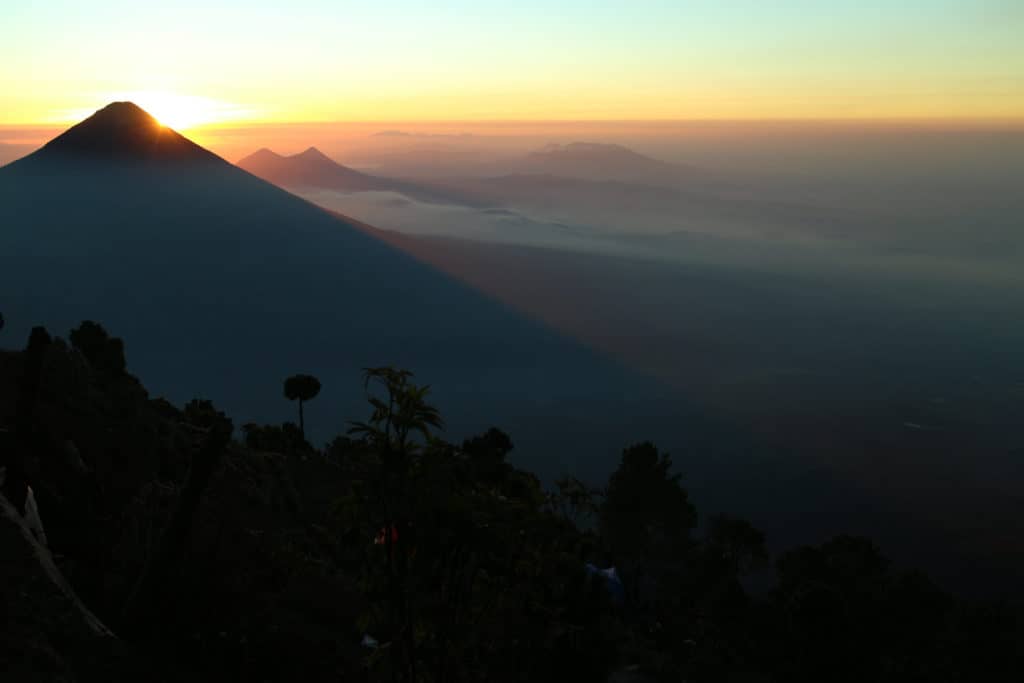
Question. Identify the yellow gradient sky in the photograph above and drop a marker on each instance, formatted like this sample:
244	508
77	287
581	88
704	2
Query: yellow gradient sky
195	63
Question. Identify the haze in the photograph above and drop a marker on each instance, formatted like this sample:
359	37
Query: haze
847	290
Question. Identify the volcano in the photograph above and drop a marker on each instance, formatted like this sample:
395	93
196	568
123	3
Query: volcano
123	131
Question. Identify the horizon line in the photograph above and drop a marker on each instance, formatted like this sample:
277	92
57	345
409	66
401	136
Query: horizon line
897	120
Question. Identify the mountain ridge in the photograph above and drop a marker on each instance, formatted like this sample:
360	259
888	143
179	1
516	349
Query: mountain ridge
314	169
310	167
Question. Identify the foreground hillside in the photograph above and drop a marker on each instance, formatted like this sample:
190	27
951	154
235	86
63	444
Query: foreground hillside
174	545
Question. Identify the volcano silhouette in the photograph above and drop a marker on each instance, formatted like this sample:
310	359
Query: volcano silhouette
124	131
222	285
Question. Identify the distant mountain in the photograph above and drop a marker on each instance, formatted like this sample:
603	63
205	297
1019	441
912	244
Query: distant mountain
311	168
225	285
405	134
577	160
594	161
591	153
314	169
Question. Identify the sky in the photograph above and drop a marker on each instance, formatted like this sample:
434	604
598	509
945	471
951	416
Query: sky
209	62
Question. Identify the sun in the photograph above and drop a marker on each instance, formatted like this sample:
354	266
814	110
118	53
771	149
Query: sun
179	111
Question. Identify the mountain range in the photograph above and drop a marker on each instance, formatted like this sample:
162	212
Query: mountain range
579	185
226	284
313	169
432	156
596	161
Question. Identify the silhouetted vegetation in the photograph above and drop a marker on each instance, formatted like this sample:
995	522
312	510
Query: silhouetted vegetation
393	554
286	439
304	388
103	351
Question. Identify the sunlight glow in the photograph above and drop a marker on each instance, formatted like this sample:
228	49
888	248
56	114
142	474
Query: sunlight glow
174	110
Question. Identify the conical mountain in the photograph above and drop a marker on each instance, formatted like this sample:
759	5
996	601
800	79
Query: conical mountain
122	131
313	154
222	285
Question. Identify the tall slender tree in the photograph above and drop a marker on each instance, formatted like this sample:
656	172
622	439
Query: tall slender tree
302	388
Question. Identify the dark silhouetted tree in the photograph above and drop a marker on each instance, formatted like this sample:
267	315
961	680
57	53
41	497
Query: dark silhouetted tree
402	413
646	512
302	388
645	522
487	454
736	545
104	352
